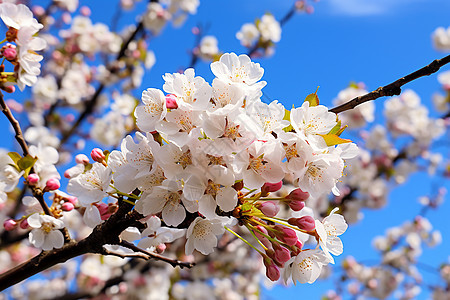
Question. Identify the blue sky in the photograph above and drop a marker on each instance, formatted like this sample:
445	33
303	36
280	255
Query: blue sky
374	41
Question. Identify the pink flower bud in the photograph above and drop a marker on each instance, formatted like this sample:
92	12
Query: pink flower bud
67	206
9	89
271	187
286	235
298	195
66	18
272	271
306	223
9	224
102	208
33	179
265	241
97	155
269	208
296	205
85	11
24	224
81	159
297	248
282	254
10	53
72	199
171	101
160	248
52	184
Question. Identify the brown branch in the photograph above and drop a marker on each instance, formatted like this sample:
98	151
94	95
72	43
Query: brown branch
105	233
393	88
156	256
125	255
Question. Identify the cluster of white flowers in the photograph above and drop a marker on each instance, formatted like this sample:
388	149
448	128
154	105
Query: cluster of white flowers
266	29
22	28
202	145
159	14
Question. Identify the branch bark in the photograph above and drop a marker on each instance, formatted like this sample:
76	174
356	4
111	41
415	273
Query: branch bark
393	88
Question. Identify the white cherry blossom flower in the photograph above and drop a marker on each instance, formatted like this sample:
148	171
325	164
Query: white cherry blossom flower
201	235
45	233
306	266
328	230
153	110
269	28
92	186
248	34
189	89
18	17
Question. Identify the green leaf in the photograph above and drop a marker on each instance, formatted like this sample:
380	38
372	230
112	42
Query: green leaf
333	139
312	99
14	156
336	128
25	164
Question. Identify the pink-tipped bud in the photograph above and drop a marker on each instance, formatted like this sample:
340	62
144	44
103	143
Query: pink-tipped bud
306	223
102	208
297	248
9	88
272	270
161	248
271	187
97	155
269	208
10	53
286	235
52	184
72	199
9	224
85	11
298	195
282	254
171	101
67	206
24	224
33	179
265	241
296	205
82	159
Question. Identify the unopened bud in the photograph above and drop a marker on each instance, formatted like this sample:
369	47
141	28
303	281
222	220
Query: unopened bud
72	199
9	224
33	179
9	88
24	224
269	208
265	241
82	159
272	271
160	248
10	53
306	223
286	235
271	187
97	155
282	254
171	101
52	184
296	205
67	206
298	195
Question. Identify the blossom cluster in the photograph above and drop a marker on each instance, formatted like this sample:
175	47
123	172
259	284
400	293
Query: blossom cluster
22	28
209	157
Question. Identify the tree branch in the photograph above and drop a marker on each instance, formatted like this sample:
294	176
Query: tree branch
173	262
393	88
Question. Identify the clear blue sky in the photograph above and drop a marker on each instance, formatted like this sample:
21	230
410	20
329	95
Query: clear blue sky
374	41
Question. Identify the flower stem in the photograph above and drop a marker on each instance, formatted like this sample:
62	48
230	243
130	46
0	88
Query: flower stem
242	239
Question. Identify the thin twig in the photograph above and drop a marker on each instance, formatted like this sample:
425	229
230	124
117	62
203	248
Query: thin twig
393	88
125	255
173	262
